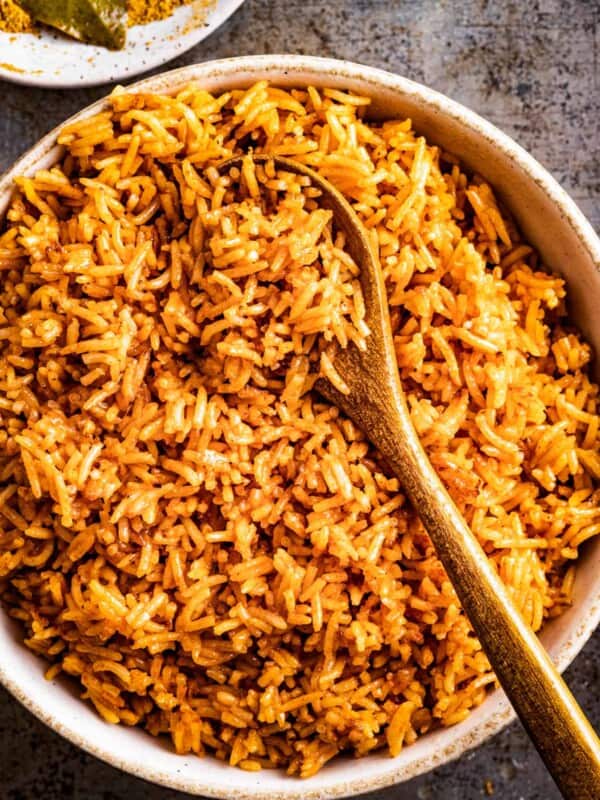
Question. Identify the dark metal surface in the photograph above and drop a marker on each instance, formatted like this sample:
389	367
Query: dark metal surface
533	69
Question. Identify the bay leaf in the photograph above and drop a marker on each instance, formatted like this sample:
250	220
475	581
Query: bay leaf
101	22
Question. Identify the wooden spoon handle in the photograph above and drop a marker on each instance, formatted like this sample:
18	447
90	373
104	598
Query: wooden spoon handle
555	722
559	729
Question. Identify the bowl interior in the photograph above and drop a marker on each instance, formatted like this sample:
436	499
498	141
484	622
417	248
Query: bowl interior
552	223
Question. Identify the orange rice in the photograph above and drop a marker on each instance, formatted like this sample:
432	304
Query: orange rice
212	550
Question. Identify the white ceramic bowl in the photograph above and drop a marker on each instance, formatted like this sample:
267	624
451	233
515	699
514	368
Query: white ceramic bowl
48	58
552	222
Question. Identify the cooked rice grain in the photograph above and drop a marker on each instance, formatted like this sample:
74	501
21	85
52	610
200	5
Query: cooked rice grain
213	551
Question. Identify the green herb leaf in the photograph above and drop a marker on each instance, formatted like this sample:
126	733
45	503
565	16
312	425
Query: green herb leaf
101	22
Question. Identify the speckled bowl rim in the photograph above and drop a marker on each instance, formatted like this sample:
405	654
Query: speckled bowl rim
284	67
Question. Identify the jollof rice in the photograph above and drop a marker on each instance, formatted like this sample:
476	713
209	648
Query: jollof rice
210	548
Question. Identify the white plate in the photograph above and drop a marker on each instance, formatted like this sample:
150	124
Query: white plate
55	61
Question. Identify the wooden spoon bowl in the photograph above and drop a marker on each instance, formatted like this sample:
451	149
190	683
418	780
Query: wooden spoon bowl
375	402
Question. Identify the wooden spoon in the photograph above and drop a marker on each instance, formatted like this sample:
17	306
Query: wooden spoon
563	736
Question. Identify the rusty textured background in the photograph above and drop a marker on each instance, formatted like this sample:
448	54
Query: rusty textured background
531	67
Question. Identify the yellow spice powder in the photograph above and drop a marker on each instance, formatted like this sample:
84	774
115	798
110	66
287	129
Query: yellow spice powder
14	20
143	11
